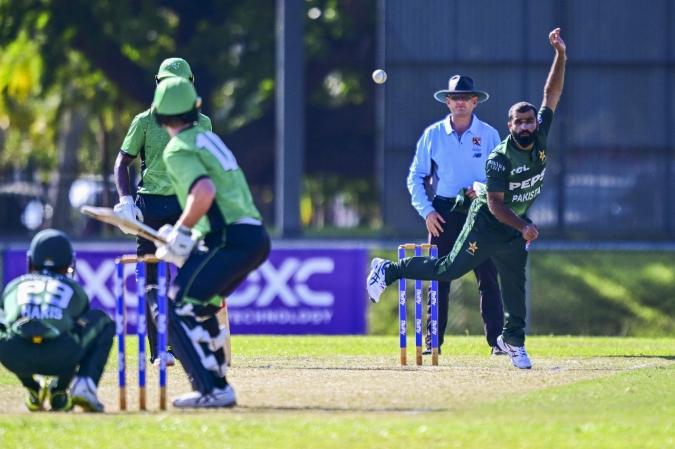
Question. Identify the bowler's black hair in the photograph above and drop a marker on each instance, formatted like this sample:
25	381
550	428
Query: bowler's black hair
520	108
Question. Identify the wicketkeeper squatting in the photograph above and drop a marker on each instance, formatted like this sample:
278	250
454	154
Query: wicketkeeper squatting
47	328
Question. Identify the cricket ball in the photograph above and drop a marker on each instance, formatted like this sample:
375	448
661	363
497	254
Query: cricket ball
379	76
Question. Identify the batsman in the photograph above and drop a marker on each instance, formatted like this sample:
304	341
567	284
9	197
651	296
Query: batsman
217	208
497	225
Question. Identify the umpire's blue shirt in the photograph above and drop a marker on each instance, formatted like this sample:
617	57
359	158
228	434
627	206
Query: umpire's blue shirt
457	162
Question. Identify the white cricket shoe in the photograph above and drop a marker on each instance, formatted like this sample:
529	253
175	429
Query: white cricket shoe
83	393
518	354
217	398
497	351
375	282
170	359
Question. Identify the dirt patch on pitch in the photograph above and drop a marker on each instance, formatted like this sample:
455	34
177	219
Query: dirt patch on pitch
365	383
378	384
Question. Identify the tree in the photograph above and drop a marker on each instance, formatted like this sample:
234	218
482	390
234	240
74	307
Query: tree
96	61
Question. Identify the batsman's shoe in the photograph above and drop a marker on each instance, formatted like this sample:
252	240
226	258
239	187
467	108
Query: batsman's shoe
217	398
375	282
170	359
35	399
427	350
83	394
496	351
518	354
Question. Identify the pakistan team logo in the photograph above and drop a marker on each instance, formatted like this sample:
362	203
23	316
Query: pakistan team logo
542	155
473	247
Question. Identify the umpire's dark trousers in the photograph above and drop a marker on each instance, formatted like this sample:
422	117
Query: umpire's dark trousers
491	308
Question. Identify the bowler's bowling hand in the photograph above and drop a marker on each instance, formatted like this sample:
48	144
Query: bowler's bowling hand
556	41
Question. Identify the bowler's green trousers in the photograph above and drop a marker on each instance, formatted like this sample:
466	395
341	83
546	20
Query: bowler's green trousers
482	237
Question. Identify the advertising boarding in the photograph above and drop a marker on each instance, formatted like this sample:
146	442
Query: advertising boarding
296	291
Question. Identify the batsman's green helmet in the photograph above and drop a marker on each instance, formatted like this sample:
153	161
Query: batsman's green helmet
50	249
175	96
174	67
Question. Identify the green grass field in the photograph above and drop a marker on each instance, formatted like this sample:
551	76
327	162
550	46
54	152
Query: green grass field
349	392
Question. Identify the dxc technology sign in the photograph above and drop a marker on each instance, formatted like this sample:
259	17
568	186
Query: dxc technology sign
296	291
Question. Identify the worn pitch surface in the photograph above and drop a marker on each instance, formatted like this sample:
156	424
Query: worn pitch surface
362	383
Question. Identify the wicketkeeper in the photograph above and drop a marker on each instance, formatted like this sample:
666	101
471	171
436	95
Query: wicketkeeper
47	328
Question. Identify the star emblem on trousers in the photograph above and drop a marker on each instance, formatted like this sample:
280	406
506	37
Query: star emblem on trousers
473	247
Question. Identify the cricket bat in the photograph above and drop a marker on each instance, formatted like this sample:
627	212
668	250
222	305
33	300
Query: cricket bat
107	215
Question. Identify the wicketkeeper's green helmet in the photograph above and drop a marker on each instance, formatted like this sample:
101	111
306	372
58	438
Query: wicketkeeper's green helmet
175	96
50	249
174	67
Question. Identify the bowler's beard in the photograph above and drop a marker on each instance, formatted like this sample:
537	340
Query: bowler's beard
524	138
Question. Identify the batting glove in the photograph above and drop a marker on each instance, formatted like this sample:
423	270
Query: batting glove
127	210
179	244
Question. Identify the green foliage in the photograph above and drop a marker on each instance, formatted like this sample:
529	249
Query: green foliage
326	195
21	68
332	33
103	55
577	293
603	293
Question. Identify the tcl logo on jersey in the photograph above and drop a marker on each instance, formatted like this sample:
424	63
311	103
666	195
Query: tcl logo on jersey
527	183
521	169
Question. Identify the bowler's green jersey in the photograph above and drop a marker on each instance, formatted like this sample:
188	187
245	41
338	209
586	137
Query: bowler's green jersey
197	153
42	305
147	138
519	173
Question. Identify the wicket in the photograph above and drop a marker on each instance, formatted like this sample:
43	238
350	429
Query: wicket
402	314
120	324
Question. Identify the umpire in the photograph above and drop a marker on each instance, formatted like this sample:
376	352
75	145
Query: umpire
156	203
452	154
